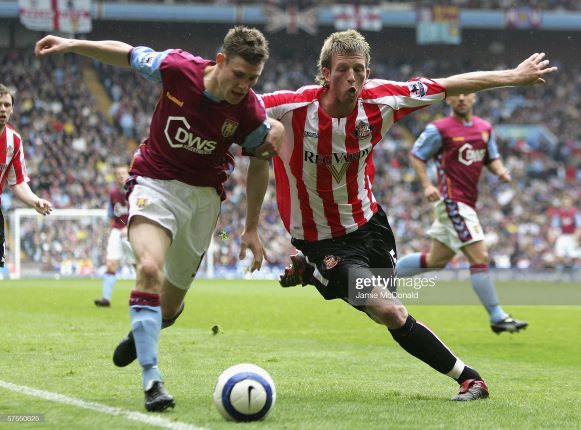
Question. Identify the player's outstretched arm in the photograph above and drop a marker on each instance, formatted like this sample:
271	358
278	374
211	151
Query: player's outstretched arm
23	193
107	51
531	71
256	185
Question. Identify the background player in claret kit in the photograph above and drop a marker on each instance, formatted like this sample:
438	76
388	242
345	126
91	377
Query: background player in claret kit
461	144
178	173
12	165
118	247
566	225
324	175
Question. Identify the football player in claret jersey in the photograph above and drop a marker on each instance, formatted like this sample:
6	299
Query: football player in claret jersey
324	176
566	226
461	145
178	173
118	247
12	165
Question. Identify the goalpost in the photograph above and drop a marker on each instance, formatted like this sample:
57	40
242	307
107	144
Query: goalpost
68	242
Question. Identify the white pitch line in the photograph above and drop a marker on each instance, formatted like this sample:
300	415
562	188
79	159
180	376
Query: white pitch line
154	420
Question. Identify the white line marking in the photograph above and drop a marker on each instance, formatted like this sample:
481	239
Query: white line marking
154	420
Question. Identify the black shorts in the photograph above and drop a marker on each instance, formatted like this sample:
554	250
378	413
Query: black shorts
2	248
370	247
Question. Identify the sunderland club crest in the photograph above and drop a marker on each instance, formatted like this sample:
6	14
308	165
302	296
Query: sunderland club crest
330	261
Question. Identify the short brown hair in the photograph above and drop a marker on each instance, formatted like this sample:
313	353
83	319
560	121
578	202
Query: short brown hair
342	43
5	90
247	43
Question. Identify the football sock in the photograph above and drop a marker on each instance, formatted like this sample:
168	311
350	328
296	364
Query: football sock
411	264
468	373
484	289
109	280
420	342
145	315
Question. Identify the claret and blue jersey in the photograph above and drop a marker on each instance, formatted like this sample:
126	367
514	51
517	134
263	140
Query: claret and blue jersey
190	131
460	150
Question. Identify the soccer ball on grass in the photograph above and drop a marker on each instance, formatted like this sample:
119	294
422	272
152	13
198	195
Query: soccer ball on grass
244	392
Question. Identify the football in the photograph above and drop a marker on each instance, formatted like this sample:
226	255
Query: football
244	392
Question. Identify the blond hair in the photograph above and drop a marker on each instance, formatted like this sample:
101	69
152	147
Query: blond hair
347	42
5	90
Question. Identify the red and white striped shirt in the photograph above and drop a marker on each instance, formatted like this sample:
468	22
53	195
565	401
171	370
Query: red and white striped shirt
324	171
12	165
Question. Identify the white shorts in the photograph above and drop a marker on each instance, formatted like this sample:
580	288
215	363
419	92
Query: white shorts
566	246
119	248
190	213
456	225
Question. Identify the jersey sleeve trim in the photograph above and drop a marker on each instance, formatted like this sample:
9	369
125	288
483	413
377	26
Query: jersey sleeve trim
147	62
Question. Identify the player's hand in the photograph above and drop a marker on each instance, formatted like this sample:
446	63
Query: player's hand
43	207
272	143
250	240
533	70
431	193
51	45
504	175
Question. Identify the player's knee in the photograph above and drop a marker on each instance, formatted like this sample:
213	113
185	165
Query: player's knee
150	271
390	315
481	258
436	261
111	266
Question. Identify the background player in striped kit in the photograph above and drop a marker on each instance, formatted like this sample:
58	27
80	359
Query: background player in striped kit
324	175
118	247
12	165
461	145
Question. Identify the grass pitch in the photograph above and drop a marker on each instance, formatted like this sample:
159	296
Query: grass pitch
333	367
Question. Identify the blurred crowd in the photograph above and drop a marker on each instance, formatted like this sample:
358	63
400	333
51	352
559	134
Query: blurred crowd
70	142
467	4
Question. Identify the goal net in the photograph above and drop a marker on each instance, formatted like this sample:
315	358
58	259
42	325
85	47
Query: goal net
68	242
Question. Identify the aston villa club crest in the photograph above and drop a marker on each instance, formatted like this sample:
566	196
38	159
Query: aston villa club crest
485	136
330	261
141	202
362	130
229	128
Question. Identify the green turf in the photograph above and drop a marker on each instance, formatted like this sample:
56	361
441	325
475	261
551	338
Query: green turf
333	367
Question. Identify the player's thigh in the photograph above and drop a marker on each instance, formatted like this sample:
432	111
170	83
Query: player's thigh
196	226
476	252
148	239
439	255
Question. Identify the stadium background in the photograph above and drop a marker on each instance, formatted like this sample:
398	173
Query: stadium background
76	116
